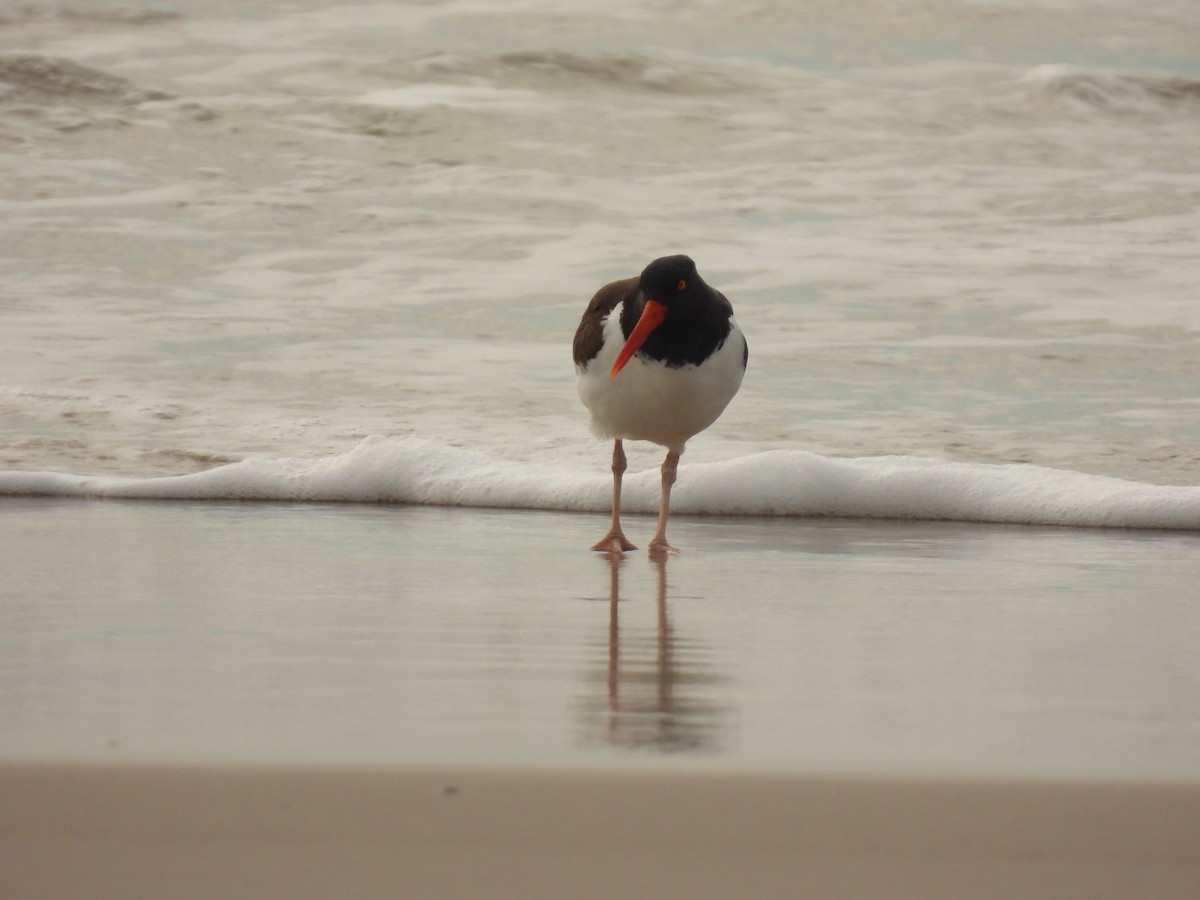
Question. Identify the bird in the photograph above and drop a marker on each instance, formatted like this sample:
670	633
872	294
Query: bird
658	357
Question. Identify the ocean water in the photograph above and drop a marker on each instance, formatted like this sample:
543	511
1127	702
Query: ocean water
297	249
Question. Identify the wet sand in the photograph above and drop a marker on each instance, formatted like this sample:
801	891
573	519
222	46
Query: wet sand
311	700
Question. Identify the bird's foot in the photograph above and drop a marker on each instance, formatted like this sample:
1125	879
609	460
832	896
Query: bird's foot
614	542
660	549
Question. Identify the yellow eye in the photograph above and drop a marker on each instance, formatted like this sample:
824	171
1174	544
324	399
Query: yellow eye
682	285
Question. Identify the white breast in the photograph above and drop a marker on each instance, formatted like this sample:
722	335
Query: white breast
649	401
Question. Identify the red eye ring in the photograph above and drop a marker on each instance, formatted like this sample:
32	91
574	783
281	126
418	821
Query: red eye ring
682	285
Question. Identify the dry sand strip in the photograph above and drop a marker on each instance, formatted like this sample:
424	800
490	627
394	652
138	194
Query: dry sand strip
171	831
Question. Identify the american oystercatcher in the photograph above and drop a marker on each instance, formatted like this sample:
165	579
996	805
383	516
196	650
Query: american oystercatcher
657	358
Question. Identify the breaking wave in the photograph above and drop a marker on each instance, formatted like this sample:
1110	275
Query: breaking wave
773	483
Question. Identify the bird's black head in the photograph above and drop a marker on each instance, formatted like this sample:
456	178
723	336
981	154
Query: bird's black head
673	316
670	279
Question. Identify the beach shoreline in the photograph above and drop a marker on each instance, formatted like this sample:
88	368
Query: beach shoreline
296	701
200	831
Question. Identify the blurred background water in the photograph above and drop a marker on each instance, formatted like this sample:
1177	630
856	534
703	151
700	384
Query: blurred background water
954	229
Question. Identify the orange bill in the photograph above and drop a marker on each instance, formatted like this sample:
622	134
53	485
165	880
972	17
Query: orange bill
652	316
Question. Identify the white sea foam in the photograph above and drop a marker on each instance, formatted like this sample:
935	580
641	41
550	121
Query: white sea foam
774	483
464	96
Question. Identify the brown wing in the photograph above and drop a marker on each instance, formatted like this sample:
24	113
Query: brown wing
589	337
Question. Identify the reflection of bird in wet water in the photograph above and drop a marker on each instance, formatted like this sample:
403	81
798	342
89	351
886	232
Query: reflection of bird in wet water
653	696
657	358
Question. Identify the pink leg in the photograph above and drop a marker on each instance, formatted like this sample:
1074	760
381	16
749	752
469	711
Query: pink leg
615	541
659	545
